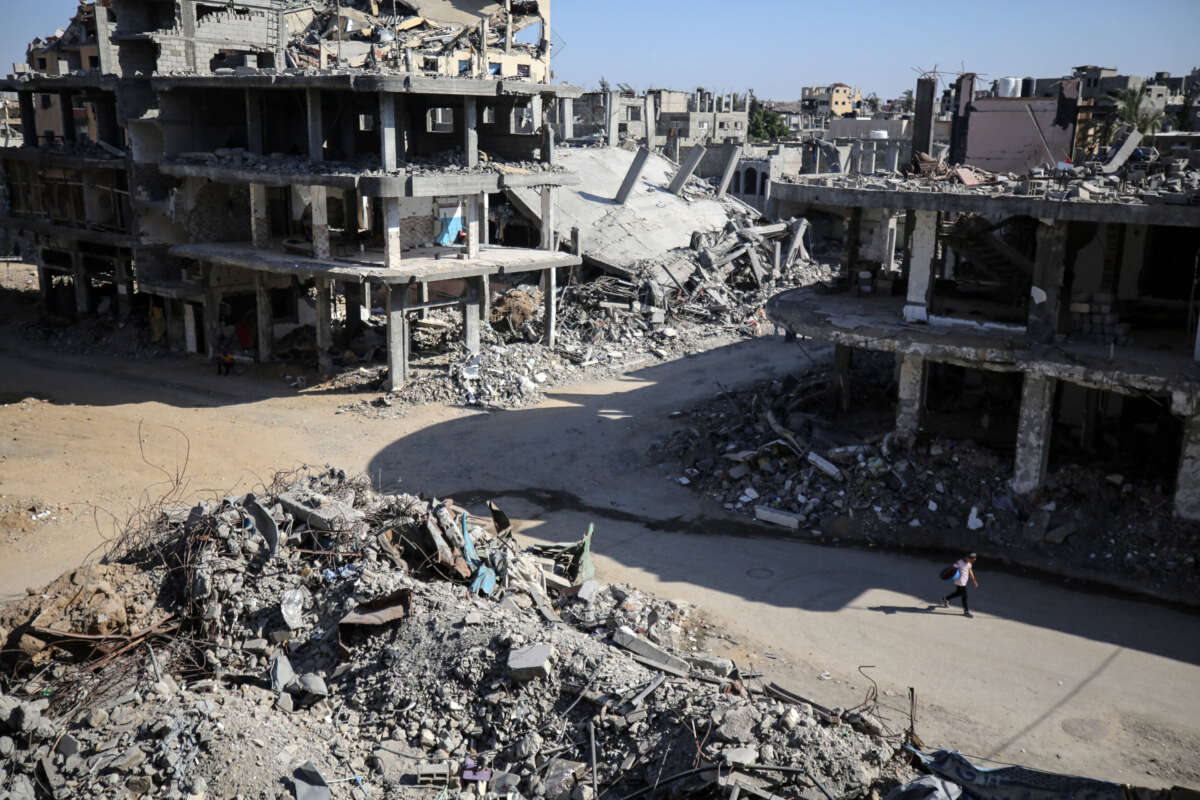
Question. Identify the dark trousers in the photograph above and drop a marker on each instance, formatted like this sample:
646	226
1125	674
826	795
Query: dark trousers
959	591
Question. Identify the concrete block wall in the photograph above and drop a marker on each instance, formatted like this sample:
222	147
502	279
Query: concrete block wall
172	54
254	26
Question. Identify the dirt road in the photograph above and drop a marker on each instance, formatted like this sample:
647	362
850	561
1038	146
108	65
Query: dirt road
1043	675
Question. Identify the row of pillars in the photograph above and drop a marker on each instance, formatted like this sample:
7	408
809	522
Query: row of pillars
81	281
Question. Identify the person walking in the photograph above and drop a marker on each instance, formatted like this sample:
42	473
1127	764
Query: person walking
966	572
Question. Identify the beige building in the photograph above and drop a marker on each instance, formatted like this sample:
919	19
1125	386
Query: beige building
834	100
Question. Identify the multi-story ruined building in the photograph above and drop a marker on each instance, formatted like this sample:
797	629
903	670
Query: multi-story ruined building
1053	313
233	196
677	119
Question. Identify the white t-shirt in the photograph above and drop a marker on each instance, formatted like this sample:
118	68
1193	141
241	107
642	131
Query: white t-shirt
964	572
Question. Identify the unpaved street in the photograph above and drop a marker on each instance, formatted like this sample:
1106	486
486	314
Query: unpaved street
1043	675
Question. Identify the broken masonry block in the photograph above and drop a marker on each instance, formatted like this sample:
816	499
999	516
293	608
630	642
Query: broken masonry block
532	661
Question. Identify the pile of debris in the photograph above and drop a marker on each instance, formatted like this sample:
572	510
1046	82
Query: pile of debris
323	633
780	451
391	34
448	162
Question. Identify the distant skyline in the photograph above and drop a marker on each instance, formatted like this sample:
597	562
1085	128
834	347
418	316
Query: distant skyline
776	46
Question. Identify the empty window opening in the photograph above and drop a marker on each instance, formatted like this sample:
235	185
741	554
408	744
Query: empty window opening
429	64
522	70
488	117
494	69
464	68
440	120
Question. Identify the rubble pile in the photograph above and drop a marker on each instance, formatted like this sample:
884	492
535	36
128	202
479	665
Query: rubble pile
449	162
379	34
778	451
1131	174
325	634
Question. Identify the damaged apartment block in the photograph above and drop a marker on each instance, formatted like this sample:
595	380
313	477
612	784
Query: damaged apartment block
1041	309
184	160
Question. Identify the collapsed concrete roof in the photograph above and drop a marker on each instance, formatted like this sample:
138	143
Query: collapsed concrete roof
650	223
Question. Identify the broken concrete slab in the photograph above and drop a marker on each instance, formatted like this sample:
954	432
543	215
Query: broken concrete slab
530	662
652	653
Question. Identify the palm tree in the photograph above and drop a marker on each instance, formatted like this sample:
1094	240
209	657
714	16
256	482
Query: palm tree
1130	109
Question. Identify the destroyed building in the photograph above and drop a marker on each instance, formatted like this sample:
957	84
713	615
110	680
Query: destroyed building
678	119
1061	298
235	186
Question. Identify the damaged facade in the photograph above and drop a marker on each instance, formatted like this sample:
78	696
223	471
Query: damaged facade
1066	294
677	119
234	198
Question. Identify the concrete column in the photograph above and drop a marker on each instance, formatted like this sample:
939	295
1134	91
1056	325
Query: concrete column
550	299
964	95
212	313
612	137
893	157
923	116
796	248
320	221
471	131
1048	267
1033	432
485	299
867	162
264	319
687	168
1187	481
472	315
471	209
648	117
910	394
884	242
732	155
548	221
316	134
260	221
484	200
353	292
387	131
631	176
852	242
391	232
566	114
508	27
324	325
124	285
254	122
920	271
83	285
397	331
777	264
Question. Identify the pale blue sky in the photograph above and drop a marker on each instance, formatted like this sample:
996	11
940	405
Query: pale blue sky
777	46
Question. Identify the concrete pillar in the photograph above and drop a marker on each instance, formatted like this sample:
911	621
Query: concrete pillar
1033	432
613	110
472	316
920	271
471	209
923	116
852	242
254	122
566	117
264	319
964	94
324	325
471	131
124	285
387	131
320	221
796	248
649	117
893	156
397	331
391	232
855	167
212	313
910	393
1046	293
1187	480
732	155
548	221
631	175
547	148
260	221
884	242
508	27
687	168
316	133
83	285
550	299
484	201
867	163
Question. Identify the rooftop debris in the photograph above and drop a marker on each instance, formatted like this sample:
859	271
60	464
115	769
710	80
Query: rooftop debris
329	662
